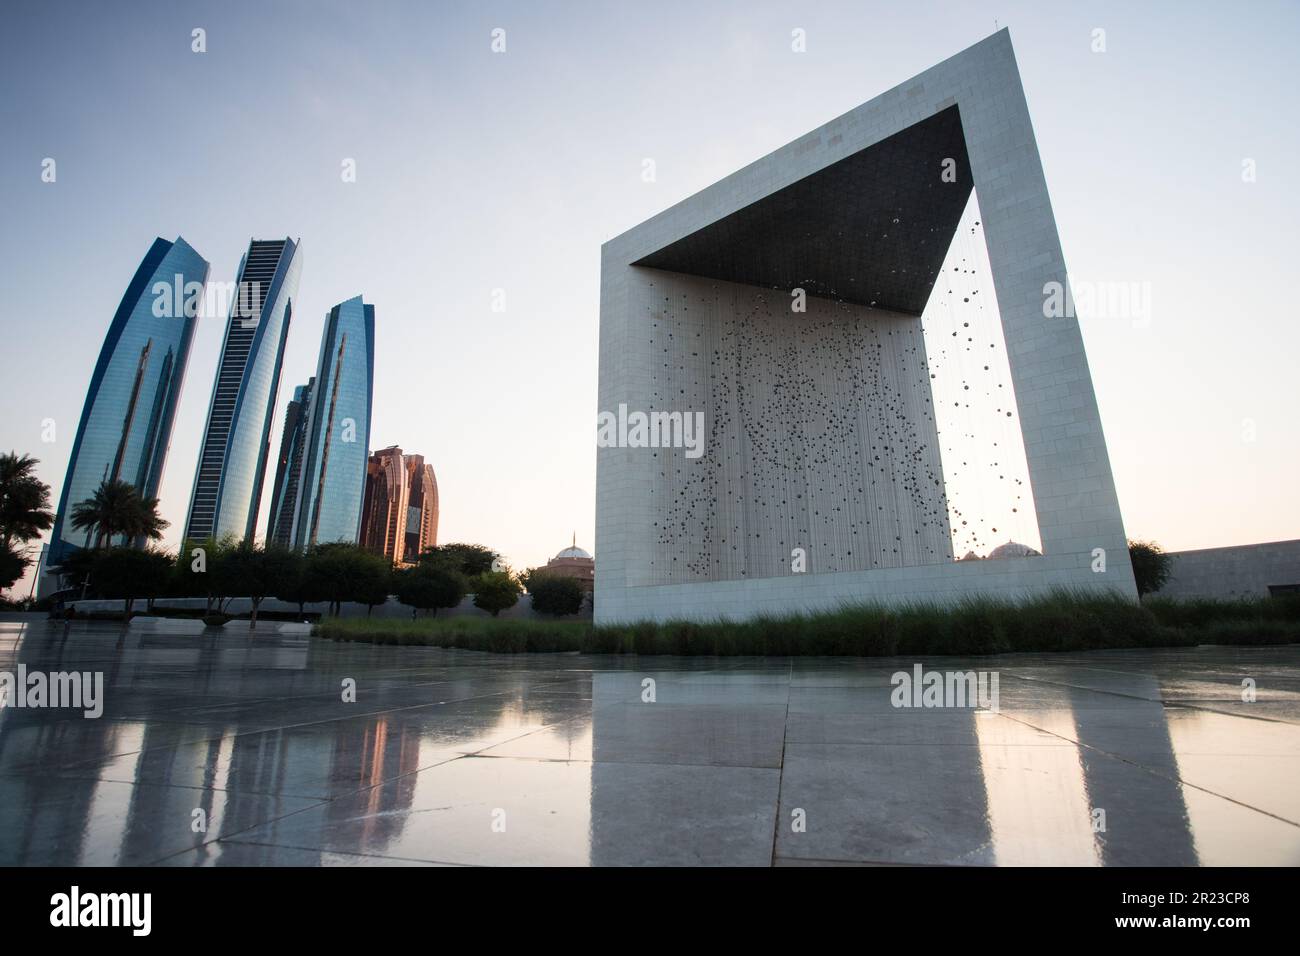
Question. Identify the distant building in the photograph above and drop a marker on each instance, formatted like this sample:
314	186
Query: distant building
126	422
573	562
332	479
1009	549
1270	568
1012	549
284	493
237	436
421	507
383	512
400	515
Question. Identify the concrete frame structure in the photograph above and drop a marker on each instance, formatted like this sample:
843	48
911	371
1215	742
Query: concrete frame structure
735	239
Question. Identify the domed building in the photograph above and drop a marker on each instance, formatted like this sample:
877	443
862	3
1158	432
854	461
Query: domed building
574	562
1012	549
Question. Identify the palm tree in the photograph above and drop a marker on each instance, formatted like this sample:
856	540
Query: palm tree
117	509
24	500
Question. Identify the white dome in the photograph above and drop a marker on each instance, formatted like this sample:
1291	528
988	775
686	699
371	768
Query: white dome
573	552
1012	549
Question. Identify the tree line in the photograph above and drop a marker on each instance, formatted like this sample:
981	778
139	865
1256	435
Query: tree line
221	570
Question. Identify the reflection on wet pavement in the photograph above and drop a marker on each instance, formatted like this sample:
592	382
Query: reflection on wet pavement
224	749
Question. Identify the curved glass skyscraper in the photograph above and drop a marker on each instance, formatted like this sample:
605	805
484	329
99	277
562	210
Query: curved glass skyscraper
126	423
284	493
336	442
236	440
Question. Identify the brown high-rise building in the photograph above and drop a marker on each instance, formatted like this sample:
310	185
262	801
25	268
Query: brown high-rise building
399	516
421	507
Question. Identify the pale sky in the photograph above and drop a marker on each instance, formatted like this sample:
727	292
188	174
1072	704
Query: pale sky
479	171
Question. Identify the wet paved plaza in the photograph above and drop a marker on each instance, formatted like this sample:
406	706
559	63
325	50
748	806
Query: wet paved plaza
218	748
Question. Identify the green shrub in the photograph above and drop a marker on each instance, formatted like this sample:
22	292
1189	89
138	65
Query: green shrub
1201	612
496	591
555	594
1055	622
430	586
1248	632
1151	565
498	635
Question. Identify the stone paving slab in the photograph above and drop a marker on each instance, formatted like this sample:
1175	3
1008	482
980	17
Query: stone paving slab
444	757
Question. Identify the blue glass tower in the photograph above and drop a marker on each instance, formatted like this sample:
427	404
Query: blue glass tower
126	422
284	493
236	441
337	441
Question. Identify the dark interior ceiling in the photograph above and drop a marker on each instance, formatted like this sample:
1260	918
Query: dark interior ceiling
872	229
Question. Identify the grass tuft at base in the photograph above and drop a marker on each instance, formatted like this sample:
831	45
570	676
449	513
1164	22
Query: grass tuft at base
1058	622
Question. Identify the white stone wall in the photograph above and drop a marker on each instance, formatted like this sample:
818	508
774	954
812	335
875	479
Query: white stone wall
1241	571
819	434
1012	579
